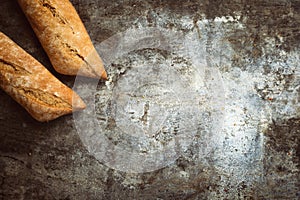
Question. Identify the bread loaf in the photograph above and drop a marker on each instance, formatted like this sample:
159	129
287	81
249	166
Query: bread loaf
32	85
63	37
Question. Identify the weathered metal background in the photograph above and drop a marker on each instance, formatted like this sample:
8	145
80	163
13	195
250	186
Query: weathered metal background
254	45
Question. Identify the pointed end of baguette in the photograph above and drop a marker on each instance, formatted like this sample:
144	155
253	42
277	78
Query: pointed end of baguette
95	65
104	75
77	103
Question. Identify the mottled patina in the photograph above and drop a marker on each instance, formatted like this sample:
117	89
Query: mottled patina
254	45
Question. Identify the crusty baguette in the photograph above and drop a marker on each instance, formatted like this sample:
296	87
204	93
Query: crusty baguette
32	85
63	37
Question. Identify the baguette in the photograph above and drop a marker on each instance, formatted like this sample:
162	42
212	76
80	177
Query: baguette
63	37
32	85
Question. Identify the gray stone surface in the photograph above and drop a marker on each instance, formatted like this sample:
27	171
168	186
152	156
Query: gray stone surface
254	46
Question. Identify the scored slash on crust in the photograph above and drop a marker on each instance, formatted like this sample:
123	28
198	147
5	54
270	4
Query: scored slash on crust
32	85
64	37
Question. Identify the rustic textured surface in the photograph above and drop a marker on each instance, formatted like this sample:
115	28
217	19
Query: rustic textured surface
255	156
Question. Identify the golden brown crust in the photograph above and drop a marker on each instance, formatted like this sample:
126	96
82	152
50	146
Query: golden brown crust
32	85
64	37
